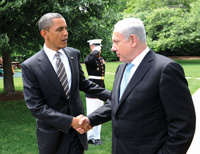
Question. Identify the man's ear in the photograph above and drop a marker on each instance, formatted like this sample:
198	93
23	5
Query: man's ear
133	40
44	34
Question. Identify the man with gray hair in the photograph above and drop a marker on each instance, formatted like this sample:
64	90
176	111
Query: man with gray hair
151	106
52	79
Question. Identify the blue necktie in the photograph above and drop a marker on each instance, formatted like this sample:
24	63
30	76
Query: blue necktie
125	79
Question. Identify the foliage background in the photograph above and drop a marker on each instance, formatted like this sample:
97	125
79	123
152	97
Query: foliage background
172	26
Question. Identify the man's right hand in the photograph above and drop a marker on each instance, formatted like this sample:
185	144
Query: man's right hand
83	121
84	126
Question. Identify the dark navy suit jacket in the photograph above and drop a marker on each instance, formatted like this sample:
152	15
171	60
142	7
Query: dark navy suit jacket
45	98
155	114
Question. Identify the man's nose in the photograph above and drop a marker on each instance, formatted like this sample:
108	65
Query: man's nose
113	48
66	32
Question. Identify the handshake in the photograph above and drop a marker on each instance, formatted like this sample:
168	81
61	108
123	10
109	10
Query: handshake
81	124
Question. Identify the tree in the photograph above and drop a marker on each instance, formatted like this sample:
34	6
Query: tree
4	46
19	32
16	28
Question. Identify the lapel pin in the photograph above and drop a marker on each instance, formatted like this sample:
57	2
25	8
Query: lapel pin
72	57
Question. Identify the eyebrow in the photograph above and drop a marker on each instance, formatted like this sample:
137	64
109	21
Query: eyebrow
61	27
115	40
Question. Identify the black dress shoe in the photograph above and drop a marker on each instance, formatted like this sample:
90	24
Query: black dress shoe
92	141
99	141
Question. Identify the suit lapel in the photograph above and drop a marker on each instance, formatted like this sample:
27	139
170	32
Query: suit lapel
138	75
71	60
48	70
72	63
117	82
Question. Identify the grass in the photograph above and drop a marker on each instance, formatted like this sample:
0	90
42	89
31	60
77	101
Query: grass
17	125
191	68
17	135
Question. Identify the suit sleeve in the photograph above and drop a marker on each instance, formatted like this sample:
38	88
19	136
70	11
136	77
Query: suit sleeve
37	105
179	110
101	115
91	56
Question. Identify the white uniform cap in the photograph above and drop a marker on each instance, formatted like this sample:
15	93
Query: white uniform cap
95	42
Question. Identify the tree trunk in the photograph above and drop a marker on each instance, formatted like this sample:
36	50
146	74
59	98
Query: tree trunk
8	75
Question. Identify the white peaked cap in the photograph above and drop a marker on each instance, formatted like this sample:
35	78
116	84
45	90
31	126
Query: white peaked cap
95	42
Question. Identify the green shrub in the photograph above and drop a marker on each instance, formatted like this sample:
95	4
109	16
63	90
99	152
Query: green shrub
173	31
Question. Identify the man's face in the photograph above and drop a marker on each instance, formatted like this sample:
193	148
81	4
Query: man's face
122	47
92	47
56	37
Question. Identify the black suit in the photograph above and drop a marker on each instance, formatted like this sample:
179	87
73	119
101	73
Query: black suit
45	98
155	114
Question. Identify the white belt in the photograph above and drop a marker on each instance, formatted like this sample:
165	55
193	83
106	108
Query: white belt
96	77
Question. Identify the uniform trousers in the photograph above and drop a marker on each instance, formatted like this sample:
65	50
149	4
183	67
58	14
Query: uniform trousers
92	104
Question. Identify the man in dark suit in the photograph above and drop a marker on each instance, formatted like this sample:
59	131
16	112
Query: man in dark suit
55	101
155	113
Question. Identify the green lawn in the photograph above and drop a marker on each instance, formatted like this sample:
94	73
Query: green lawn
191	68
17	125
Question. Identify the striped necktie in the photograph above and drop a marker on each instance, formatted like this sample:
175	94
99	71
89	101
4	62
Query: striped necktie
125	79
62	74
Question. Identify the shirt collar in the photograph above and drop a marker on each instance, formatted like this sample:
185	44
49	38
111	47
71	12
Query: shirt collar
139	58
51	53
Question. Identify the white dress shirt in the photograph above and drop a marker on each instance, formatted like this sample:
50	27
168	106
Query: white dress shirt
136	62
51	54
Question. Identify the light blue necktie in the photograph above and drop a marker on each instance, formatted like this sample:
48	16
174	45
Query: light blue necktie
125	79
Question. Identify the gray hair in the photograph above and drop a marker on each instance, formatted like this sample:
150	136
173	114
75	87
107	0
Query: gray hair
46	22
130	26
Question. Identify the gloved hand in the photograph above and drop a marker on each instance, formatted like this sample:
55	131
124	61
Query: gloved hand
98	48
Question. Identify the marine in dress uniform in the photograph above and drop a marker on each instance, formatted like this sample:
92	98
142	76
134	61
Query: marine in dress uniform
95	66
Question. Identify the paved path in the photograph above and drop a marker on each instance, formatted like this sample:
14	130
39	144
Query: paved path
195	146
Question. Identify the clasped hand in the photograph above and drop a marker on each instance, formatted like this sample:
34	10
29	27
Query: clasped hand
81	124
